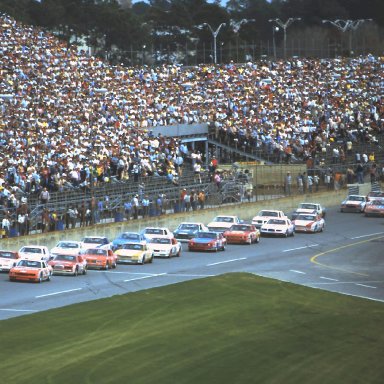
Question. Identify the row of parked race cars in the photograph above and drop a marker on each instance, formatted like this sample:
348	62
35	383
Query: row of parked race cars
37	263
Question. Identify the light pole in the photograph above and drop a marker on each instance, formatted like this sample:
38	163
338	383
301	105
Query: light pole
214	34
274	29
285	26
345	25
236	26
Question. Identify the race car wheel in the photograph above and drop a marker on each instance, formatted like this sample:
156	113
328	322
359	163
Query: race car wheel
293	233
49	277
286	234
106	267
222	248
76	272
40	278
257	239
178	253
84	271
151	259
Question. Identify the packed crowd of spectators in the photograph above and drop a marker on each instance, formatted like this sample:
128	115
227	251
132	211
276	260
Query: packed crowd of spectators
68	119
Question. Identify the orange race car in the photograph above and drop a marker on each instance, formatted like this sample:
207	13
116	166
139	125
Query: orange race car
98	258
242	234
31	270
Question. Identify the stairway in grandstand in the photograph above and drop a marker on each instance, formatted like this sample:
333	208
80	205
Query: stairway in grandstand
253	155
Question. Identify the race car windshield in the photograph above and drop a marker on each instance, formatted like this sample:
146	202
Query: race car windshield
68	245
154	231
161	241
65	257
240	228
275	221
137	247
206	235
29	264
268	213
189	227
31	250
93	240
308	206
306	217
130	236
96	251
224	219
8	255
356	198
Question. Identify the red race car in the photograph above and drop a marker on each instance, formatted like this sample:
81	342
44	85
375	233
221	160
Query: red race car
242	234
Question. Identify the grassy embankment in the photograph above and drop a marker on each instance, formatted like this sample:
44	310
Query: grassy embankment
236	328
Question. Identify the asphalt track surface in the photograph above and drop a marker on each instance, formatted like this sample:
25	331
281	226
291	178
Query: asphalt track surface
348	258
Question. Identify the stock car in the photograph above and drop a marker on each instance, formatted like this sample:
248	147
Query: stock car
127	237
310	223
264	215
278	227
150	232
222	223
164	247
242	234
30	270
95	242
67	247
8	259
34	252
308	208
67	264
353	203
186	231
375	195
374	208
207	241
99	258
134	253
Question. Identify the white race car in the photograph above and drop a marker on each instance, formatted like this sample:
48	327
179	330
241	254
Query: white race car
164	247
8	259
308	208
310	223
66	247
34	252
354	203
223	223
151	232
278	227
264	215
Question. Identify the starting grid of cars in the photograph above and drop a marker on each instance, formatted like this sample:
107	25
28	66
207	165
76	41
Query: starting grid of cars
37	263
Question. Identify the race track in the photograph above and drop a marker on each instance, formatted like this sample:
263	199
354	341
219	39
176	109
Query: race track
347	258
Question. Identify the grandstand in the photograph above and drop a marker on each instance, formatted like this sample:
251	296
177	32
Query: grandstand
82	128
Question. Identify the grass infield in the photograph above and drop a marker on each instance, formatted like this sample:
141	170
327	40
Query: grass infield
235	328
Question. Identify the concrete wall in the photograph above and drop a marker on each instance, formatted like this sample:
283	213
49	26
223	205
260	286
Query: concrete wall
245	211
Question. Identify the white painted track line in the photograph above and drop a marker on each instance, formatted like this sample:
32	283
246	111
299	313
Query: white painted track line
58	293
226	261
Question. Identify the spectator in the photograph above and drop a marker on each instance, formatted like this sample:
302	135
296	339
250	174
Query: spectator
288	184
360	173
44	196
201	199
